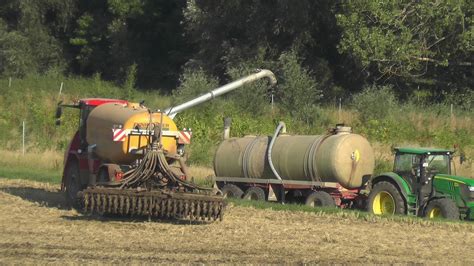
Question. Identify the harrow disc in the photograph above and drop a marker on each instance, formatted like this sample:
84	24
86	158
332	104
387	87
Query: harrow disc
162	204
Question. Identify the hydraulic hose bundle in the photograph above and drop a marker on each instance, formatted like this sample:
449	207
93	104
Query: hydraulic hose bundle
155	162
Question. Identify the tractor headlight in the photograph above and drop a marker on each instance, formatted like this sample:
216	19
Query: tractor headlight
471	193
467	192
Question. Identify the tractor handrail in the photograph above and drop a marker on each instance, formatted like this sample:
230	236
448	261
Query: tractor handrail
263	73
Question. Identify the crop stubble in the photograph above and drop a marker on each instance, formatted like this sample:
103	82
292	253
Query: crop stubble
35	227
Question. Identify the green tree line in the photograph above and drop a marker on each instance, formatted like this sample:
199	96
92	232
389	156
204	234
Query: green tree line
321	50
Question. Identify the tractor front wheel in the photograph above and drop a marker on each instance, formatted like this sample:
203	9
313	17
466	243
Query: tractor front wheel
442	208
385	198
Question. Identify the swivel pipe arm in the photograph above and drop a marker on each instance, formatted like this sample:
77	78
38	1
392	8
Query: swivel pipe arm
264	73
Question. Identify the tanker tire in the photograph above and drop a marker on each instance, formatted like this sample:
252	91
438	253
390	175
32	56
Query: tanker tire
444	207
320	199
254	193
386	188
231	191
73	185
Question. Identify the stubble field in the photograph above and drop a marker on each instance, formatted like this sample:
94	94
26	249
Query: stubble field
35	227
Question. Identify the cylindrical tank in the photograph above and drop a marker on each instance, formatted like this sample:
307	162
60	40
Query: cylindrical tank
105	123
341	157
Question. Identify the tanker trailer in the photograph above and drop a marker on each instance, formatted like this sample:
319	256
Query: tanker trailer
324	170
127	159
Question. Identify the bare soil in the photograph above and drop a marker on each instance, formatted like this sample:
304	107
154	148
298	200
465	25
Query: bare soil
36	227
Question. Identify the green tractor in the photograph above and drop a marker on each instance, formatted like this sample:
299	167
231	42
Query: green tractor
421	184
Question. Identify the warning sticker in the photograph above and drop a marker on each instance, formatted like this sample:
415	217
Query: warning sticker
119	134
185	137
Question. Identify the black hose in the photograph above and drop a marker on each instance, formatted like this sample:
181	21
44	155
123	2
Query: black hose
152	162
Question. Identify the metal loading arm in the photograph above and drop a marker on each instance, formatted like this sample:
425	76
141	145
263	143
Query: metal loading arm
264	73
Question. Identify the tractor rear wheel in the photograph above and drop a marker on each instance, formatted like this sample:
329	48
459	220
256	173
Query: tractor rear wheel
73	185
320	199
254	193
232	191
442	208
385	198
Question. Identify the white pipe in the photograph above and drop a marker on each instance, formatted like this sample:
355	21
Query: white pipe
227	122
281	128
264	73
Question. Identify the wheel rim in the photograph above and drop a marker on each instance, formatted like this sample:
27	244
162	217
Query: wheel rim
383	203
435	213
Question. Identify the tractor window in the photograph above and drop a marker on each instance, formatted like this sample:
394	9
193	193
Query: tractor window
408	167
404	163
439	163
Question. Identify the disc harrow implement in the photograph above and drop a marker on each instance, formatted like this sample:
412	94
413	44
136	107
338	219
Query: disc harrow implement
159	204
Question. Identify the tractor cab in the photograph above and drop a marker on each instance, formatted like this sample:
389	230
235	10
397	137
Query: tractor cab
418	166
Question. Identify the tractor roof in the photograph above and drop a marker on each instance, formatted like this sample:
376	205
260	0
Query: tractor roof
99	101
422	150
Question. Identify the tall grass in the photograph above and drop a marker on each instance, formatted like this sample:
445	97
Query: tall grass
44	166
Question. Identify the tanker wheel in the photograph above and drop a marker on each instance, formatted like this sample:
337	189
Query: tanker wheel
254	193
73	185
320	199
231	191
385	198
442	208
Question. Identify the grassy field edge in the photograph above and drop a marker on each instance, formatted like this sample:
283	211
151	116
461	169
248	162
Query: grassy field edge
39	175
